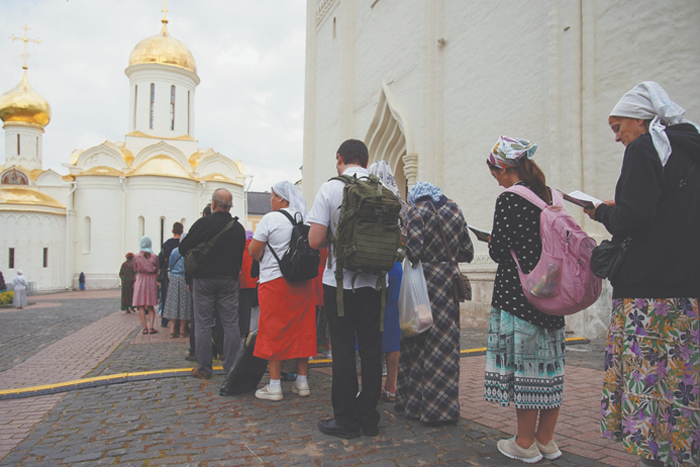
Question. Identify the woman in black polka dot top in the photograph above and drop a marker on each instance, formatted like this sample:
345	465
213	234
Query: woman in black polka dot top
526	348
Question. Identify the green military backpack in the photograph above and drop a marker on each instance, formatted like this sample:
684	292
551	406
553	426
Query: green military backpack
367	238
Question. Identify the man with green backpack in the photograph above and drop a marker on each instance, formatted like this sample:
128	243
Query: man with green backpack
357	218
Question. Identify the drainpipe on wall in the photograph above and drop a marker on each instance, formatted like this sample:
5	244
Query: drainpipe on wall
202	186
68	242
122	183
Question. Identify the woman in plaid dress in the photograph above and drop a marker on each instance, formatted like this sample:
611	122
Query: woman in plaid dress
428	381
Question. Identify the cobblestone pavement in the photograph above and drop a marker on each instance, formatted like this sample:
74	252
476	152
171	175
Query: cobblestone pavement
183	421
26	332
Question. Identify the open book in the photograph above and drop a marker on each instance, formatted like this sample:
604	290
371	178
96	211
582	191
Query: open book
481	235
580	198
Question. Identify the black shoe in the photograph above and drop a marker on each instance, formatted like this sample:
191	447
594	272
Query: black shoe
371	431
191	358
331	427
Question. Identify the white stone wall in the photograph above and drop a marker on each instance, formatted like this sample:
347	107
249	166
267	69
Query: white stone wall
30	147
163	77
464	72
29	233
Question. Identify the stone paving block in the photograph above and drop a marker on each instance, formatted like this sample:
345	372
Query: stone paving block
83	457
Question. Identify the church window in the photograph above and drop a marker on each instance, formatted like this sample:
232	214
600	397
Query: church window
172	107
153	103
11	262
162	231
18	151
136	100
334	27
37	145
46	257
142	227
188	112
87	233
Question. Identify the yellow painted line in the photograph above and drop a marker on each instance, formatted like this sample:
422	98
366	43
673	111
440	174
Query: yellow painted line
178	370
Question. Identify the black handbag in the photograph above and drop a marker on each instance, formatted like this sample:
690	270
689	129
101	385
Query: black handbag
607	258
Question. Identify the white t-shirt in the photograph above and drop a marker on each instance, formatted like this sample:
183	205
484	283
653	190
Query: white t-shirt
326	211
275	230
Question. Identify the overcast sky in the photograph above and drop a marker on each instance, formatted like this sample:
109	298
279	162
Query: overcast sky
249	55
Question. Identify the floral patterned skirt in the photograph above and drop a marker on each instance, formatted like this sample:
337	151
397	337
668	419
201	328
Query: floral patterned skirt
524	363
651	400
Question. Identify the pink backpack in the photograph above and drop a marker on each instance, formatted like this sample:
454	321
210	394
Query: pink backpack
562	282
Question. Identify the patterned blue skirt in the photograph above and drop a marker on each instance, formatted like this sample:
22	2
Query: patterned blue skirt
524	363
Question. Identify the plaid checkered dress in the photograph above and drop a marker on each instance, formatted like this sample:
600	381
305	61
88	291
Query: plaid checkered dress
428	378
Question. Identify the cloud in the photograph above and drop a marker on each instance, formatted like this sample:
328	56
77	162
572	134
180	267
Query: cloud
249	55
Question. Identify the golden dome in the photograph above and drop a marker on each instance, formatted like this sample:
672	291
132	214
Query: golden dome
101	171
24	105
161	166
27	197
163	49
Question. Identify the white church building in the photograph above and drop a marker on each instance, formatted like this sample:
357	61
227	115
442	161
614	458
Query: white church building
54	227
430	85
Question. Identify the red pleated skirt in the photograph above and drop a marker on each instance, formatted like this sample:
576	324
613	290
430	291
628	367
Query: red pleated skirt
287	326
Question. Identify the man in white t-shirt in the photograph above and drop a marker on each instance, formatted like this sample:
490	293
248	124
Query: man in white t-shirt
353	414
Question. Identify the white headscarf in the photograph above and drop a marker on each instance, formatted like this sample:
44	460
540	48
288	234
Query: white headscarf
383	172
647	101
287	191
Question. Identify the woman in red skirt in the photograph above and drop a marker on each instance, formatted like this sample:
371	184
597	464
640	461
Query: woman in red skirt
287	326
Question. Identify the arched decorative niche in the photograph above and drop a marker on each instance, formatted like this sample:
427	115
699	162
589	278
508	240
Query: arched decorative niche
389	138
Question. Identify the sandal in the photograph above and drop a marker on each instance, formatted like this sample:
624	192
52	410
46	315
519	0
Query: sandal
145	331
388	396
153	331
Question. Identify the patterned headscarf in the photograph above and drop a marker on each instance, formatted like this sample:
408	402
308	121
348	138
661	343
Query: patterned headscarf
145	244
248	234
423	190
383	172
508	151
290	193
649	101
129	256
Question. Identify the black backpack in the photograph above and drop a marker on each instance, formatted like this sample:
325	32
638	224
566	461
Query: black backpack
300	262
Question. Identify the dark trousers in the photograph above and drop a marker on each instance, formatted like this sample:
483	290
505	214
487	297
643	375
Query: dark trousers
165	282
362	312
220	294
246	302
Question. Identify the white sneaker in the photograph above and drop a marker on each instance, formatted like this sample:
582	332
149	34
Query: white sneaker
269	394
509	448
550	450
301	388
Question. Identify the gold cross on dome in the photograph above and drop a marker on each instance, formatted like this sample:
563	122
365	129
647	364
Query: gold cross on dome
25	39
164	10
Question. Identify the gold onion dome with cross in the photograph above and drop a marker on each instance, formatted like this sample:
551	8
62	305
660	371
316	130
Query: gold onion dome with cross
163	49
22	104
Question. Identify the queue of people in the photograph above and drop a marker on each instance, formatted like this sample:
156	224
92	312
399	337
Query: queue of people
650	399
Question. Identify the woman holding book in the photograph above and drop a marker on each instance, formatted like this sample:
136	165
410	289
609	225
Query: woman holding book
526	348
652	361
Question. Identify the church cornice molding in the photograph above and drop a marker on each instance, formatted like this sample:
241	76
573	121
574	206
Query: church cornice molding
141	134
157	69
325	8
159	149
91	157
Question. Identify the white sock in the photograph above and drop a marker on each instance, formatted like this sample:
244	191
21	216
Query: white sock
301	378
275	383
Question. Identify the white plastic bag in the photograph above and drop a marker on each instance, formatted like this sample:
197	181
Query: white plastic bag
415	315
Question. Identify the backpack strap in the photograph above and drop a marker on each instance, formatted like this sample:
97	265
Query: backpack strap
332	251
214	239
291	219
530	195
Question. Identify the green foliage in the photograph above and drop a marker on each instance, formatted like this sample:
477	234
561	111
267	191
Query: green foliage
6	297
